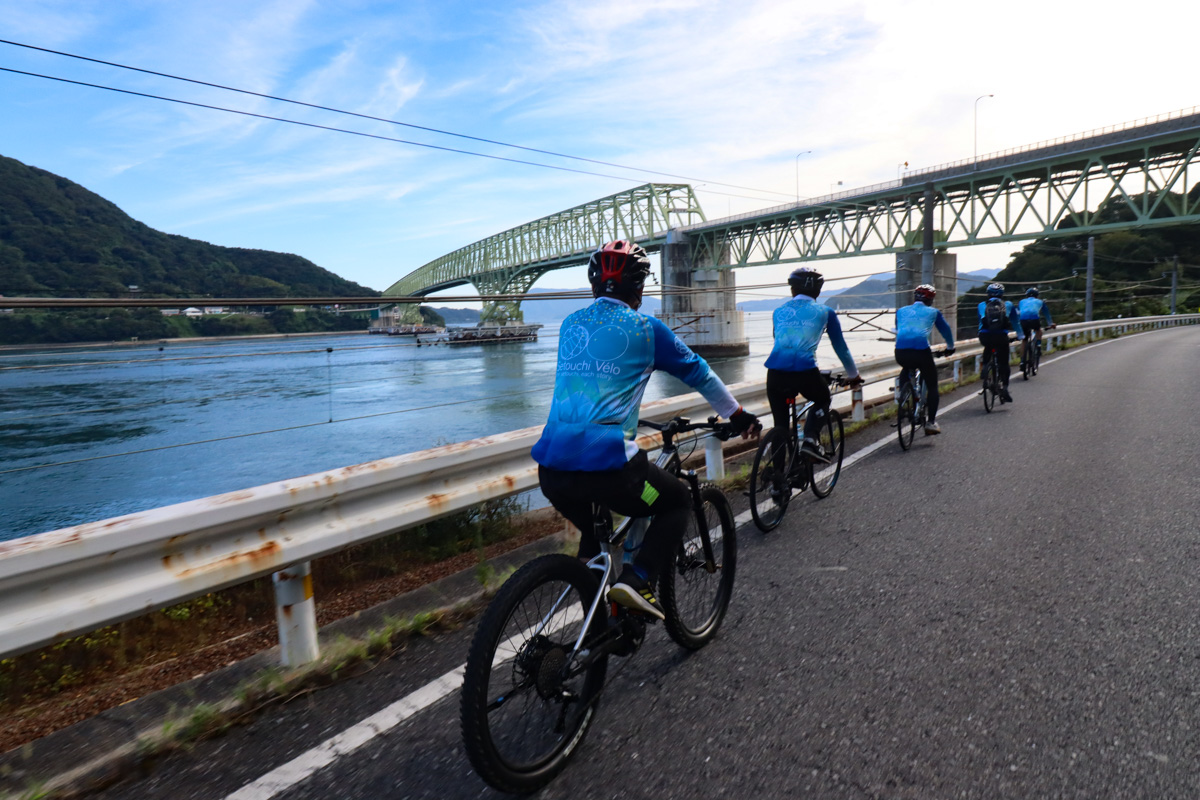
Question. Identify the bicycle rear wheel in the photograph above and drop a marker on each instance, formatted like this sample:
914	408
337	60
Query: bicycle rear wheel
991	380
695	592
1037	358
824	477
906	417
769	490
523	711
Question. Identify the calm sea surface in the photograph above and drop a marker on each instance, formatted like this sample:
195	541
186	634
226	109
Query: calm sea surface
88	433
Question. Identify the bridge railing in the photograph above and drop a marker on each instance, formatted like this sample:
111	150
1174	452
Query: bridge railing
74	580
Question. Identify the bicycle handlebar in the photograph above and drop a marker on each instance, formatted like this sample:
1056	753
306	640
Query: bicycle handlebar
677	425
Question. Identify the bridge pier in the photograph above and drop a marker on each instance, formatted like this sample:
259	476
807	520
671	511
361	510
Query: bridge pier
699	302
910	274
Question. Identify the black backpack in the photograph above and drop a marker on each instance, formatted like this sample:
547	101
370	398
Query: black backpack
995	315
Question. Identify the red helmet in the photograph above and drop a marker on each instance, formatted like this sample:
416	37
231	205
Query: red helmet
925	293
618	268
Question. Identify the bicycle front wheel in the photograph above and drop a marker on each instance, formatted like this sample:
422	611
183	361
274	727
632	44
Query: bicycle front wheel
769	490
822	476
524	708
695	591
906	418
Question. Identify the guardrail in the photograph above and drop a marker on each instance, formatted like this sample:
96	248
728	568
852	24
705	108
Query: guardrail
70	581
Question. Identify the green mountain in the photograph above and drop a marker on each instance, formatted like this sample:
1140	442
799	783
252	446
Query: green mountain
59	239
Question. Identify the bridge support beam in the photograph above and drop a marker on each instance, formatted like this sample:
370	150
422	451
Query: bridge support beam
699	302
910	274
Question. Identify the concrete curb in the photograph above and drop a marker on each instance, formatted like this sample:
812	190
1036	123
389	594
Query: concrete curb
115	742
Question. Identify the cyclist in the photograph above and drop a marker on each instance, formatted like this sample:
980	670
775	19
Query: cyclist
792	365
996	317
1030	310
913	326
586	453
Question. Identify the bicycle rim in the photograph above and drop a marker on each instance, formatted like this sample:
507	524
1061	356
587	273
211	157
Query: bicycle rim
694	592
824	477
521	717
906	421
769	491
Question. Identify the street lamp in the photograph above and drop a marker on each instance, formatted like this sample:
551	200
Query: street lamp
902	165
839	183
975	152
806	152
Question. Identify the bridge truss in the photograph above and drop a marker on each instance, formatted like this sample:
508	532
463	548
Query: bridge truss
510	262
1141	175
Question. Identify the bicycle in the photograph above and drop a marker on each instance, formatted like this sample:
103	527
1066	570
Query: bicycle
780	466
991	380
1029	366
911	409
538	660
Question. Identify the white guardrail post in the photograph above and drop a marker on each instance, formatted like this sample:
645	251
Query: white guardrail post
859	413
714	458
63	583
296	614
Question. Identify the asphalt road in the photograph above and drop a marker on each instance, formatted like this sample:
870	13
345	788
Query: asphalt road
1006	610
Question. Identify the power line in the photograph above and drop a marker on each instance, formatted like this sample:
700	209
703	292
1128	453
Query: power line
388	121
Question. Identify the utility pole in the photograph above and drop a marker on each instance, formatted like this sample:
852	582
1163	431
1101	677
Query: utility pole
1174	284
1091	276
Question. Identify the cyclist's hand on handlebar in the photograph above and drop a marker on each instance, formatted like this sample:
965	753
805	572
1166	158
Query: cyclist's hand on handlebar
854	382
949	351
745	423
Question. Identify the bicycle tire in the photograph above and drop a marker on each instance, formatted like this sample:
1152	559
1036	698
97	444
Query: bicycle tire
769	491
906	418
823	477
694	599
1027	365
989	385
510	669
1037	358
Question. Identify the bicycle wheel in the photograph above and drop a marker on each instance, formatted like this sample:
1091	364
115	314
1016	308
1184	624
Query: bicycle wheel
824	477
523	714
906	417
694	592
1037	358
769	491
990	381
1027	365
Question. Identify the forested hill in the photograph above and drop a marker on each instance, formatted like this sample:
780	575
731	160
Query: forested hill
59	239
1129	271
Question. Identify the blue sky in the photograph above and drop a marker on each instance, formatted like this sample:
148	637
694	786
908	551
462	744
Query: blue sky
726	91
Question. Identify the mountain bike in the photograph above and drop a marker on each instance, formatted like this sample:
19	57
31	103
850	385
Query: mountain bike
538	660
911	409
780	465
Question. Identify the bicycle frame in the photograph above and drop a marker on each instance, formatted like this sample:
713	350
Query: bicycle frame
604	562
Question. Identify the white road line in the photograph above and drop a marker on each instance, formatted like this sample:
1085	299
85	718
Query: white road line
349	740
288	775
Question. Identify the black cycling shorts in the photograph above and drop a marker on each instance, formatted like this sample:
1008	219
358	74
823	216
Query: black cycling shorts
1028	325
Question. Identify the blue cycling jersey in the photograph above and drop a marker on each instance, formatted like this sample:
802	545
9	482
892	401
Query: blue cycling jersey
1010	310
606	354
1032	308
799	324
914	324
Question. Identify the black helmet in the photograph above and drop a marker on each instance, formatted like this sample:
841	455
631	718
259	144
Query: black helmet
806	280
619	269
1031	291
925	293
995	290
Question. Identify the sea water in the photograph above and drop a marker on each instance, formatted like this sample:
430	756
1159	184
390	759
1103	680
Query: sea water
88	433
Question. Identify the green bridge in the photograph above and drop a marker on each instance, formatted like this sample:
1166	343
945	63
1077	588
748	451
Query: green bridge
1054	188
